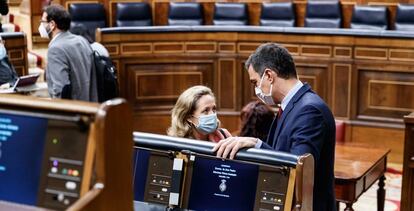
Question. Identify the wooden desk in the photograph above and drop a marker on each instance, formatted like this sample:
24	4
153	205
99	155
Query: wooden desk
356	169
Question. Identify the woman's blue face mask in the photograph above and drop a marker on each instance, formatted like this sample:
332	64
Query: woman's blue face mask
207	123
3	52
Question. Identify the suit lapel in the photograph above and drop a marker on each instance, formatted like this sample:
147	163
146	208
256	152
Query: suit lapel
305	88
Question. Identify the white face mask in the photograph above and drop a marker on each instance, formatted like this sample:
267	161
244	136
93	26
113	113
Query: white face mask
266	98
43	31
3	52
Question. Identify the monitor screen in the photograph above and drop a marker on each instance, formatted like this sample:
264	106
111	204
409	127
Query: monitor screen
141	158
22	140
222	185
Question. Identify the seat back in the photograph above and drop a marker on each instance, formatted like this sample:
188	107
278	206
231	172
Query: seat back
230	14
369	17
185	14
323	14
281	14
133	14
340	131
90	15
404	19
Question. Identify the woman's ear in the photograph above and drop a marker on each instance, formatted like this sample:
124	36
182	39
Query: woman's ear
189	122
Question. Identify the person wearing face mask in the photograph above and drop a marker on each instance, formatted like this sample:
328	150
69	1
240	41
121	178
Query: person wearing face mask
70	61
4	10
194	116
304	123
7	72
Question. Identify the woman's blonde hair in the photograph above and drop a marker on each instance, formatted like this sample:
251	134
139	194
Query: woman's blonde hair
184	108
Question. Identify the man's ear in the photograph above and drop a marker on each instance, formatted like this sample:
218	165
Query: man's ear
53	24
270	74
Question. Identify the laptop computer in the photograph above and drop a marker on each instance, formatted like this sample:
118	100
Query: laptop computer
23	83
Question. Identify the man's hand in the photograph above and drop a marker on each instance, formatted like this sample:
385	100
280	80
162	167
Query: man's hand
232	145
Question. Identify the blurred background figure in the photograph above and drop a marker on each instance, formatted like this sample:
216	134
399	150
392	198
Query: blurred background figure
83	31
256	119
4	10
7	71
194	116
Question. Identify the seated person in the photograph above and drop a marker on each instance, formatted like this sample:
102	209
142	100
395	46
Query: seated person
83	31
194	116
8	75
256	119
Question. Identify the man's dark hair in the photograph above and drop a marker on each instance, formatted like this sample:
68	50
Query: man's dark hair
82	31
58	14
274	57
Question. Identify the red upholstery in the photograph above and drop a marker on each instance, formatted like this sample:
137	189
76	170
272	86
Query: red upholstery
340	131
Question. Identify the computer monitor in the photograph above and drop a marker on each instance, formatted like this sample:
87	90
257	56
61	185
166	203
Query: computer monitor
222	185
22	140
186	174
41	158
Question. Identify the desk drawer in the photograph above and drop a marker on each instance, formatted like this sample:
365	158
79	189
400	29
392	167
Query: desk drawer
375	173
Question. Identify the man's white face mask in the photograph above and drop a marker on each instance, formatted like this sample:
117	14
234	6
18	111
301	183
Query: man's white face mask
44	33
266	98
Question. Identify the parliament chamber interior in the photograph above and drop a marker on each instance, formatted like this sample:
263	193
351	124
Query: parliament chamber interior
119	154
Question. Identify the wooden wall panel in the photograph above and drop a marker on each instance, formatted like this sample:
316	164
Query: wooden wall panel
227	84
341	90
157	85
391	138
316	76
385	94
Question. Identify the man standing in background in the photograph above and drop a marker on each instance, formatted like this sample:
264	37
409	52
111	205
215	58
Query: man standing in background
70	65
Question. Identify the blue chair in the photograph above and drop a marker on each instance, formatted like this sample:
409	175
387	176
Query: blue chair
404	19
369	17
185	14
281	14
133	14
230	14
323	14
90	15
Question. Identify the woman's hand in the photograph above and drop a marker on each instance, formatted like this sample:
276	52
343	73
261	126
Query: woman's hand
217	135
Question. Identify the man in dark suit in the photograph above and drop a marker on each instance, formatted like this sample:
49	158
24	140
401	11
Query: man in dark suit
304	123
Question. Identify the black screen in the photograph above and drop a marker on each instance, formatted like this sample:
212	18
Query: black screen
140	171
222	185
22	141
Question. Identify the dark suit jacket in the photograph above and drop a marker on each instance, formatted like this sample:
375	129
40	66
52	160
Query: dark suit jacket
7	72
308	126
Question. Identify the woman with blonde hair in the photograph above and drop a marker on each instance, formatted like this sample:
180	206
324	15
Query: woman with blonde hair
194	116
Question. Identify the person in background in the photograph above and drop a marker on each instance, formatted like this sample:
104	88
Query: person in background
4	10
256	119
70	58
83	31
7	72
194	116
304	123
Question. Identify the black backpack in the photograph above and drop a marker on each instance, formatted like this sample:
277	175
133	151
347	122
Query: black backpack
106	79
